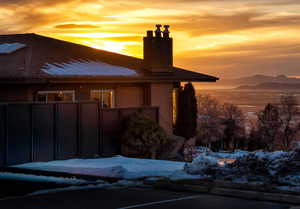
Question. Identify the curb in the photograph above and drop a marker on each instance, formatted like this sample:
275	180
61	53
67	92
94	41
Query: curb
265	196
58	174
222	188
245	191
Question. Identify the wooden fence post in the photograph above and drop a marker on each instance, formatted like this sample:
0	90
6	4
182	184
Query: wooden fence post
55	144
31	132
5	134
78	118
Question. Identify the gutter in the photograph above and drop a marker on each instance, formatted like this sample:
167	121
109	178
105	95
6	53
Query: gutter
104	80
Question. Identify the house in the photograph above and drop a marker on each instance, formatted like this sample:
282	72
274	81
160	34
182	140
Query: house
39	68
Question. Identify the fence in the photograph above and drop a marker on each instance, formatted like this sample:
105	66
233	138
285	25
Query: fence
56	131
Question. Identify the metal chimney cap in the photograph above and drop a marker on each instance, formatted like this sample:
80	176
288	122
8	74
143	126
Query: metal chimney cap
166	29
158	30
158	26
166	32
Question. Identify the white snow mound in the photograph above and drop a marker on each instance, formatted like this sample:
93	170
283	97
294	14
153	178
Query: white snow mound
201	164
118	167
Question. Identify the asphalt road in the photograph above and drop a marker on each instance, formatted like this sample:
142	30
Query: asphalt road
133	198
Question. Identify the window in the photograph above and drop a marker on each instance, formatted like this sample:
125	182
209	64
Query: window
55	96
105	97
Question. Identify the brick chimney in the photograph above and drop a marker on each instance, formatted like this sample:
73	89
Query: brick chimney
158	50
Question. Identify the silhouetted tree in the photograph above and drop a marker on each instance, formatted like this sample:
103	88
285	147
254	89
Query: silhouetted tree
268	125
209	106
254	141
210	129
186	122
234	130
289	123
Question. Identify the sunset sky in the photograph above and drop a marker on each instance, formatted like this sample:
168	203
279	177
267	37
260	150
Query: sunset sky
227	38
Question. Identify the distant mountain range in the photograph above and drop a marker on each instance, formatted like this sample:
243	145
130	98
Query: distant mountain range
271	86
259	79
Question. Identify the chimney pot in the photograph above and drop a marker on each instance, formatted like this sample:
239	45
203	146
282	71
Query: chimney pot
166	32
158	30
150	33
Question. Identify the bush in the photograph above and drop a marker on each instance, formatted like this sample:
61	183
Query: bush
142	137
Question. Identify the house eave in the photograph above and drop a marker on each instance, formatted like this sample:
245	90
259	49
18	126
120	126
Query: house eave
87	79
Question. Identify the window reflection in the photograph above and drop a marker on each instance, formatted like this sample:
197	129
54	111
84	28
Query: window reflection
55	96
104	97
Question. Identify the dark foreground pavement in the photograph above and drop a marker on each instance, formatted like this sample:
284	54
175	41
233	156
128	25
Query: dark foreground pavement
133	198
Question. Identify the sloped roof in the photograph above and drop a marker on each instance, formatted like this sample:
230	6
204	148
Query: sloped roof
43	59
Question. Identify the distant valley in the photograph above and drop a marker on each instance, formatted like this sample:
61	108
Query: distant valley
251	94
270	86
253	82
259	79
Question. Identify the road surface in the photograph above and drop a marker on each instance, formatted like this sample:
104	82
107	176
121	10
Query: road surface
132	198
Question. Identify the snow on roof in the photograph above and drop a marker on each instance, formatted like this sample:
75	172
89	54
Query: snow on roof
8	48
93	68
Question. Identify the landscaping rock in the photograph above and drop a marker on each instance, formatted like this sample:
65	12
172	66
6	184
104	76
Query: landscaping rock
171	150
203	165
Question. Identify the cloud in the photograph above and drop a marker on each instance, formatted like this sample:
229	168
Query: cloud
192	23
264	57
75	26
209	24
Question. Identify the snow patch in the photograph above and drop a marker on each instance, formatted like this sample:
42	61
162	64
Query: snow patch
281	168
9	48
222	154
201	164
118	167
229	155
92	68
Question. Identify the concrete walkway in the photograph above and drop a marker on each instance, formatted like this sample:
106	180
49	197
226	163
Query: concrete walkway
133	198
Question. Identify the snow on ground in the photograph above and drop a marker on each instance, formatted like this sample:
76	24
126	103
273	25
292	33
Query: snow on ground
35	178
247	168
277	167
228	155
8	48
201	164
92	68
222	154
118	167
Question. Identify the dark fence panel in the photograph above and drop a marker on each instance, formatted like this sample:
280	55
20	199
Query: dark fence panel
128	111
43	132
110	124
90	133
151	113
2	134
19	134
67	131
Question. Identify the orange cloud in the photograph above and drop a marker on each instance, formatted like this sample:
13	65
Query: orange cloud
223	36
